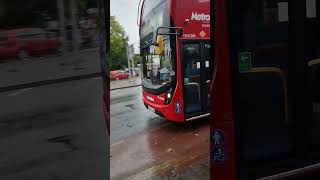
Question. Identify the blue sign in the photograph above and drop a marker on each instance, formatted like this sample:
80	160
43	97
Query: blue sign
217	146
218	154
177	107
217	138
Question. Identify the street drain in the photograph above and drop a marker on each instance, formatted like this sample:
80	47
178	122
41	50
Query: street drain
129	125
130	106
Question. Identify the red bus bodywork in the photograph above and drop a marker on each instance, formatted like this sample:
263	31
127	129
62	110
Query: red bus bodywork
179	10
104	39
106	104
222	112
221	99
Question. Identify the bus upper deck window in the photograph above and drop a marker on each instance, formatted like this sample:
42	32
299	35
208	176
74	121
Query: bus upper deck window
311	8
283	12
275	12
269	12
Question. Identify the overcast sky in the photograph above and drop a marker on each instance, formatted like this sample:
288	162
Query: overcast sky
125	12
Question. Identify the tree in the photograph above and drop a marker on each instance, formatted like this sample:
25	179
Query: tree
137	59
118	45
30	13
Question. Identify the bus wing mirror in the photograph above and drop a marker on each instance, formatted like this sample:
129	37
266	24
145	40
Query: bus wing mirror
159	45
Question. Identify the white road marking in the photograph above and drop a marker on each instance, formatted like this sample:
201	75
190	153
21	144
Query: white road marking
19	92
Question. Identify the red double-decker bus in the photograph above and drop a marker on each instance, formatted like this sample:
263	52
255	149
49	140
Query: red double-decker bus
265	90
175	50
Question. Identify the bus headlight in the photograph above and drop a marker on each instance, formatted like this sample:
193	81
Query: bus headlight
168	98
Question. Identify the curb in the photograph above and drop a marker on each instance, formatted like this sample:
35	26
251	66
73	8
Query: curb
48	82
125	87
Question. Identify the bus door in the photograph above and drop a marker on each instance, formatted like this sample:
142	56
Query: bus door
196	78
275	70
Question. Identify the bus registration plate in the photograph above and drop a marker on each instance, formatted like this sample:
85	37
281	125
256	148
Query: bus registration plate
151	109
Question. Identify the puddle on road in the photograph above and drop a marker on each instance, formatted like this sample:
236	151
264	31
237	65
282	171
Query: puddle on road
132	106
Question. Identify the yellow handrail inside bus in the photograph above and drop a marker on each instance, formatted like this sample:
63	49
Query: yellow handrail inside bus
159	45
314	62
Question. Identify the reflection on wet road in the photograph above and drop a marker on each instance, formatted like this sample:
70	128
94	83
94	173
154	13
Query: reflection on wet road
146	146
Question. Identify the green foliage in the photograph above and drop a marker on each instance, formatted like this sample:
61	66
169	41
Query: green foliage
118	45
18	14
137	59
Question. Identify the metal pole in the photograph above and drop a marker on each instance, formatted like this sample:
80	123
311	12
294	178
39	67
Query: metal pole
60	6
128	57
75	29
132	58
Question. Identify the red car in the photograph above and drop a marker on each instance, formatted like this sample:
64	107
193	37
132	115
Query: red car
22	43
119	74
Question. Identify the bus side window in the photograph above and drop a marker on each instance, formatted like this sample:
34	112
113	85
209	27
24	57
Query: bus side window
262	113
312	28
311	8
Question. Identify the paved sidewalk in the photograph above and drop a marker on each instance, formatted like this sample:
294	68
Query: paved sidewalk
125	83
200	170
16	72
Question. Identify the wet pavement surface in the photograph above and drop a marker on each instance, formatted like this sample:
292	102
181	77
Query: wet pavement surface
54	132
146	146
195	171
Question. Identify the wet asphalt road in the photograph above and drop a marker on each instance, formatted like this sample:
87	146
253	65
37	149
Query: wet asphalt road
54	132
146	146
126	111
